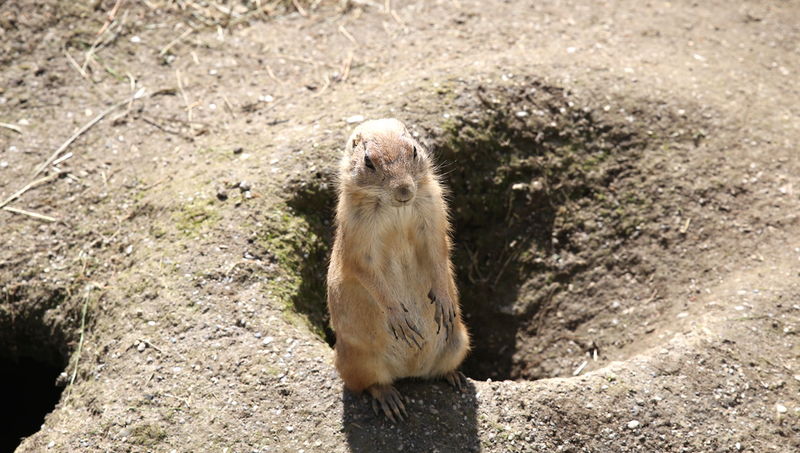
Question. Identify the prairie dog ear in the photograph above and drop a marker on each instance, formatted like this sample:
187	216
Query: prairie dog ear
356	140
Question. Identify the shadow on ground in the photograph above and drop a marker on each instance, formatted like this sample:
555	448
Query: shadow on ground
440	419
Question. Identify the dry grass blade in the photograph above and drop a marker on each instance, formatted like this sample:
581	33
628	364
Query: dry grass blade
346	66
11	127
111	15
80	345
347	34
82	130
299	8
175	41
30	214
75	65
28	187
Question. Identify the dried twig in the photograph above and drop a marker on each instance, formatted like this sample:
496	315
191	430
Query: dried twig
347	34
85	128
12	127
148	343
166	48
229	107
346	66
98	42
299	8
30	214
685	226
62	158
272	75
188	106
75	65
80	345
652	297
399	21
28	187
111	15
580	368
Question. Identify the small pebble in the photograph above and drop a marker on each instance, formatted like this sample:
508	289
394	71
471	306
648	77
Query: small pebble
222	195
238	150
633	424
244	186
780	408
355	119
141	346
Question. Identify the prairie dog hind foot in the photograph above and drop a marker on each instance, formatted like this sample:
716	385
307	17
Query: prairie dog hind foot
386	398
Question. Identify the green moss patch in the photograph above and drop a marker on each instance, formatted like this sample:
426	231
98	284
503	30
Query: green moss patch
196	217
298	236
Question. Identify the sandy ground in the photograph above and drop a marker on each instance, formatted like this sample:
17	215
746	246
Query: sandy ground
657	308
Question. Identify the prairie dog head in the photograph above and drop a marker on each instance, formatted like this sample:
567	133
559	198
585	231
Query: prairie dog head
382	160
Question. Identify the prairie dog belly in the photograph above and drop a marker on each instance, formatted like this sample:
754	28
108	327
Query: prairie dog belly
413	274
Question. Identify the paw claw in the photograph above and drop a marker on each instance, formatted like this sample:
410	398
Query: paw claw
386	399
444	315
457	380
404	330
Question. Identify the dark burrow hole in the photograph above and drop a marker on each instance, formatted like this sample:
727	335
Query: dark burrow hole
33	356
539	208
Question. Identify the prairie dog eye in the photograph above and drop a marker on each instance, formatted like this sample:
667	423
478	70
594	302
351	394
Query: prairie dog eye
415	151
368	162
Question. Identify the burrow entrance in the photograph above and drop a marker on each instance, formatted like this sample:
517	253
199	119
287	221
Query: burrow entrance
547	203
34	352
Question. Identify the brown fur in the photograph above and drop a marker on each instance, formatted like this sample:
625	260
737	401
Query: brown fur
387	258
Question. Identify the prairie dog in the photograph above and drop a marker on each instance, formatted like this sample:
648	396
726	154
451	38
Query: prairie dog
391	295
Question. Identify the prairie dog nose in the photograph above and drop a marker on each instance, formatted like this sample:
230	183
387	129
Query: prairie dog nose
403	193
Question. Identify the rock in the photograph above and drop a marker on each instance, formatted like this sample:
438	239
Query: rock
222	195
633	424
